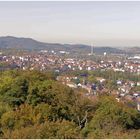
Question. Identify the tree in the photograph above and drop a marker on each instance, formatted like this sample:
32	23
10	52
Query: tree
111	117
16	92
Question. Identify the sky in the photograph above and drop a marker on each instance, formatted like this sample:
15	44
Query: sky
99	23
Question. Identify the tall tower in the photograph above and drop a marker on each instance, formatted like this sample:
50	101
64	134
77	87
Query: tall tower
91	49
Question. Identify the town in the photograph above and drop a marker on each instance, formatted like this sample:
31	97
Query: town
124	84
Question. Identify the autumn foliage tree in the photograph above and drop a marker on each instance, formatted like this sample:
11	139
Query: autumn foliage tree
34	105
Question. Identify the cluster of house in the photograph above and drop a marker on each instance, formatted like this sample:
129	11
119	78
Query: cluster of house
44	60
127	65
90	88
124	93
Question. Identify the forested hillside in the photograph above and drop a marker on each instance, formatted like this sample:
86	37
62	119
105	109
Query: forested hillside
35	105
10	42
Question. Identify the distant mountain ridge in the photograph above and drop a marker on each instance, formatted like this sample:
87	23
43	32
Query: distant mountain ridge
133	50
19	43
10	42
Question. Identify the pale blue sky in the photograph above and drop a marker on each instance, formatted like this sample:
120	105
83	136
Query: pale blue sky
98	23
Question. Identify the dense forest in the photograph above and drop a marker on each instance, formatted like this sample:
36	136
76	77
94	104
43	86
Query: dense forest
34	105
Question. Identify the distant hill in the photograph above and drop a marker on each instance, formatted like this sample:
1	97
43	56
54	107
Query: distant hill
133	50
10	42
20	43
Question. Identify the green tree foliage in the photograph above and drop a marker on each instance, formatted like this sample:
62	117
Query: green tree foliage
59	129
111	118
35	105
17	92
92	79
